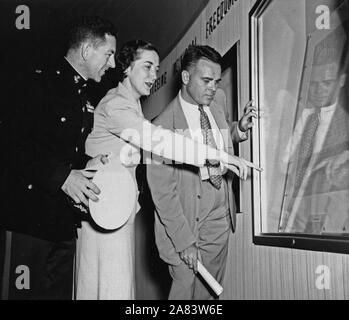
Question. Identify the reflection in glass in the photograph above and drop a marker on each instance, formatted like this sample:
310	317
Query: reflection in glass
304	126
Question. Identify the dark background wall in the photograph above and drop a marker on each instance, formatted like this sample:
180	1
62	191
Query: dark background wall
161	22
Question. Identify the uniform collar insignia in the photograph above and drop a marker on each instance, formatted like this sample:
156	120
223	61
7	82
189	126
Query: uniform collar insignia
77	78
89	107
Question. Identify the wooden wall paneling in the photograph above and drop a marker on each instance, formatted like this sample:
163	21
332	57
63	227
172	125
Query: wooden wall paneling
275	274
265	267
287	284
314	259
240	262
248	256
310	261
256	274
334	262
300	274
345	264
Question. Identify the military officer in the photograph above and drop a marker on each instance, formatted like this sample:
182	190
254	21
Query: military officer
48	154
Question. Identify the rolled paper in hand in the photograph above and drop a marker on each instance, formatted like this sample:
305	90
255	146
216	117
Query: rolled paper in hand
212	282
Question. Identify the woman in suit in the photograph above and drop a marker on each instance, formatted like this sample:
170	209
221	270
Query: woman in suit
105	261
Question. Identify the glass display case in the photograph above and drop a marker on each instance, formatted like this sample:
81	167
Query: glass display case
299	66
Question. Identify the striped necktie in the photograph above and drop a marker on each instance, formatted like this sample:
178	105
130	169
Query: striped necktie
213	167
305	151
306	147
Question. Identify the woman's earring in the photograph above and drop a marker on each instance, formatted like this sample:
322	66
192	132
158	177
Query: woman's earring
126	71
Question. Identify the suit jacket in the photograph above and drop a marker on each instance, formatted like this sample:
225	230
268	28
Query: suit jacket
324	195
336	142
48	132
176	188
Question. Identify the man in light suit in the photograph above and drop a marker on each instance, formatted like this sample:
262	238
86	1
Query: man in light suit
195	207
320	204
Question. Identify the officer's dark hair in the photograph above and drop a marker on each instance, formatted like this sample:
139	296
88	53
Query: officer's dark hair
91	28
196	52
129	52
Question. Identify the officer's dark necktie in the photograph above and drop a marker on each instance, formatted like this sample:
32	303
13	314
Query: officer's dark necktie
213	167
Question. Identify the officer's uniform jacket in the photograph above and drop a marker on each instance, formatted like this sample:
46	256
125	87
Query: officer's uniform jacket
49	129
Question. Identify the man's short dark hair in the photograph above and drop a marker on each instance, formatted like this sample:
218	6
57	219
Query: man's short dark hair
91	28
196	52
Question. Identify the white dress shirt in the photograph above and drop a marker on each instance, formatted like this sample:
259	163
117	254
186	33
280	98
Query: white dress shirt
192	115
